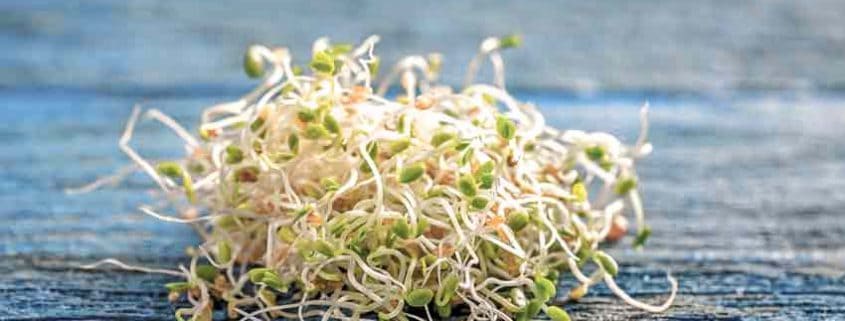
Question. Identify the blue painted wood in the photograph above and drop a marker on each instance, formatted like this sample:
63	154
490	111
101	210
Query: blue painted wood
743	194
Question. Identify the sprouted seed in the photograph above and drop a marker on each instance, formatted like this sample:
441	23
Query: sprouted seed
316	195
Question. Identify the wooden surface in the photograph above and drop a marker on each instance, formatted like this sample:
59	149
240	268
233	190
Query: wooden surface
744	196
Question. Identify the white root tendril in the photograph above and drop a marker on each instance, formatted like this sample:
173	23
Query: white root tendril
352	205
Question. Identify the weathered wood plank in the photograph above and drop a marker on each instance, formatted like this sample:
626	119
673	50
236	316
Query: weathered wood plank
743	197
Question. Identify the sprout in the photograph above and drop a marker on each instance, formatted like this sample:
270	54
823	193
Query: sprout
510	41
234	154
557	314
518	220
170	169
206	272
544	289
320	185
178	286
323	63
411	173
625	185
642	237
607	263
466	184
253	63
505	127
419	297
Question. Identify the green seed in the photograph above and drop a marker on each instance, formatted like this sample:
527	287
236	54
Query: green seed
444	311
533	307
373	65
479	202
234	154
642	237
272	280
505	127
510	41
256	274
419	297
178	286
253	64
224	252
306	114
466	184
297	71
544	288
606	262
323	63
169	169
579	191
441	137
330	184
557	314
286	234
206	272
401	228
411	173
323	247
314	131
293	143
447	290
422	225
594	153
623	186
331	124
400	145
340	49
486	180
188	185
256	124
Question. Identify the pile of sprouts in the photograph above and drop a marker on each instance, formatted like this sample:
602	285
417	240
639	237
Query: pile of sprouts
316	195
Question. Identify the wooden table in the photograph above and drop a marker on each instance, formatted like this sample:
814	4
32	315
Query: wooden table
745	196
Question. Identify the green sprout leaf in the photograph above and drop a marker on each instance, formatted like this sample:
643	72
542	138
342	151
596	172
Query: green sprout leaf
642	237
234	154
323	63
399	145
595	153
373	65
606	262
314	131
533	307
331	124
518	220
401	228
623	186
170	169
510	41
505	127
544	288
253	63
557	314
579	191
419	297
411	173
293	143
479	202
466	184
206	272
446	291
441	137
178	286
224	252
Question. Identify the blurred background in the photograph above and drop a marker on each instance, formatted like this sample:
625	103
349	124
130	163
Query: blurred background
744	191
699	46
